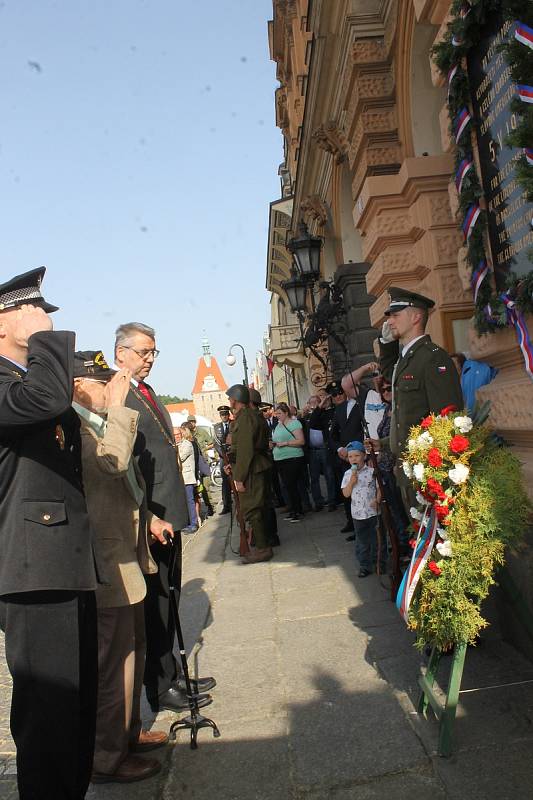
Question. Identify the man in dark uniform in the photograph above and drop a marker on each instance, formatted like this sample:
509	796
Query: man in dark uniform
424	378
221	434
250	464
47	565
156	456
271	520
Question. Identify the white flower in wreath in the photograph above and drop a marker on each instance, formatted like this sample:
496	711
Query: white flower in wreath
421	500
415	513
411	445
425	440
463	424
418	471
459	473
407	469
442	532
445	548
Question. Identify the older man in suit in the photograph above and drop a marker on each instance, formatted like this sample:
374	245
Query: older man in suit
47	560
115	491
156	456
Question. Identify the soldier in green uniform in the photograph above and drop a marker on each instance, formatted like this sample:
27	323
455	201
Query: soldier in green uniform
423	376
250	464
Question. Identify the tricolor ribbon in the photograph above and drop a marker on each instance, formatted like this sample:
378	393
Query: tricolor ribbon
421	553
516	318
451	75
528	152
465	10
524	34
461	121
525	92
462	169
478	276
470	220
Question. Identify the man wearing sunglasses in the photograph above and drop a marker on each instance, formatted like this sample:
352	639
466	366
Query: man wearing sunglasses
156	456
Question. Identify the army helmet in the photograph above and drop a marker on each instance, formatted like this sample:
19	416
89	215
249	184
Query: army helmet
240	393
255	397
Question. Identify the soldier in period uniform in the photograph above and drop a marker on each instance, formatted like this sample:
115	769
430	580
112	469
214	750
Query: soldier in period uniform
250	465
47	563
423	376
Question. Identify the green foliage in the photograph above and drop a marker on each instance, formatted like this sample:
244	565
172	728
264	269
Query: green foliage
168	399
490	313
491	511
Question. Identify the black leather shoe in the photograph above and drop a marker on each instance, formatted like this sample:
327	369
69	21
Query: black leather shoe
176	700
351	538
347	528
363	573
198	685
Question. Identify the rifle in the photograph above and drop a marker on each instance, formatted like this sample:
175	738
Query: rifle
244	546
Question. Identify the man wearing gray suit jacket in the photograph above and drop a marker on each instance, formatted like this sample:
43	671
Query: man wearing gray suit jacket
156	456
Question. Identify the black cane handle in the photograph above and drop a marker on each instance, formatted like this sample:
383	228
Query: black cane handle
172	561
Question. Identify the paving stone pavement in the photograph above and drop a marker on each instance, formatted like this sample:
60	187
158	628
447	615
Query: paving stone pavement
317	680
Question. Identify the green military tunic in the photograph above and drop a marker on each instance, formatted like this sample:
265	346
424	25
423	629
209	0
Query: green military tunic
251	465
423	381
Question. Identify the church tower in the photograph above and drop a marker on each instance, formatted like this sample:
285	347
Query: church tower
209	391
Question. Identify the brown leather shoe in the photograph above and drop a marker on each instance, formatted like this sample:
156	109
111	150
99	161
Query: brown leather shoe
258	554
149	740
133	768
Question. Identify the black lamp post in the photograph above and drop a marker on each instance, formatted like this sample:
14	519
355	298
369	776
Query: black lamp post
230	360
305	250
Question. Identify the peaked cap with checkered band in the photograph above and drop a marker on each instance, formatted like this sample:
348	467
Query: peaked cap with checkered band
405	298
24	289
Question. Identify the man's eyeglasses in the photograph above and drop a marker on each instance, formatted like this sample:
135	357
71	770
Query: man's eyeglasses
144	354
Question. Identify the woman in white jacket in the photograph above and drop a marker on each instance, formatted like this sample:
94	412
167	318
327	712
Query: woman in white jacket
188	467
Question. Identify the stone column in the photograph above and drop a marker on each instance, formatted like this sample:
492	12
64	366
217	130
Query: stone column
354	328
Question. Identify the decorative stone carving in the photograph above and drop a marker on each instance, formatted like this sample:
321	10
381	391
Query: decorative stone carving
439	209
331	138
315	208
452	290
447	245
463	268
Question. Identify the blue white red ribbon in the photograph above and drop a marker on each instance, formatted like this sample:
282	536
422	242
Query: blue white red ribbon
422	551
524	34
462	169
461	121
516	318
525	92
528	152
478	276
470	220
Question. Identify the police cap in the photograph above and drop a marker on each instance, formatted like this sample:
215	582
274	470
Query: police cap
223	409
25	288
240	393
405	298
334	388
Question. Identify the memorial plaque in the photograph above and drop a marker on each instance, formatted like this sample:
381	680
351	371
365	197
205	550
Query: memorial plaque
509	215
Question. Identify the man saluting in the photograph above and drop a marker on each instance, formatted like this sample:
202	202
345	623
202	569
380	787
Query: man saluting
47	567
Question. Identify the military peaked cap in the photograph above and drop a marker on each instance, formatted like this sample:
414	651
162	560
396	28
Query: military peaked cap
92	364
224	409
405	298
25	288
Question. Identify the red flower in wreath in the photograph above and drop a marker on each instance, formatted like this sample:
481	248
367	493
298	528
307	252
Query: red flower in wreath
415	525
441	512
426	422
412	543
447	410
434	486
459	444
434	458
436	570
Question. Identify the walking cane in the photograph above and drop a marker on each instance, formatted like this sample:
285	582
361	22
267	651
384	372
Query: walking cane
195	720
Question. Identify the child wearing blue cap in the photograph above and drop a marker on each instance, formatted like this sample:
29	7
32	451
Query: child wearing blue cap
359	483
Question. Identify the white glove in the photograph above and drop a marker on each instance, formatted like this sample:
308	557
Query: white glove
386	333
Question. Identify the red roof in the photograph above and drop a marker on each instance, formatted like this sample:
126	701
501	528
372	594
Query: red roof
215	380
179	408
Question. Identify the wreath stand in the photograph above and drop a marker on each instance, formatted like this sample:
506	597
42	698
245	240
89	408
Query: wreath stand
445	710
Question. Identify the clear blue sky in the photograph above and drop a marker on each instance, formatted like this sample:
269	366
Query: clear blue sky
138	156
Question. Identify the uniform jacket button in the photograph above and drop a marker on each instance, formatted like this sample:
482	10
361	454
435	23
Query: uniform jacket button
47	517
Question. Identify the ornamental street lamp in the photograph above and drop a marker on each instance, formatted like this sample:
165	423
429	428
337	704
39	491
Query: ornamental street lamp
305	250
296	291
230	361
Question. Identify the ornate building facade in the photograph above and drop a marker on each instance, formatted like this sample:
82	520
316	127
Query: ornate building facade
368	166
